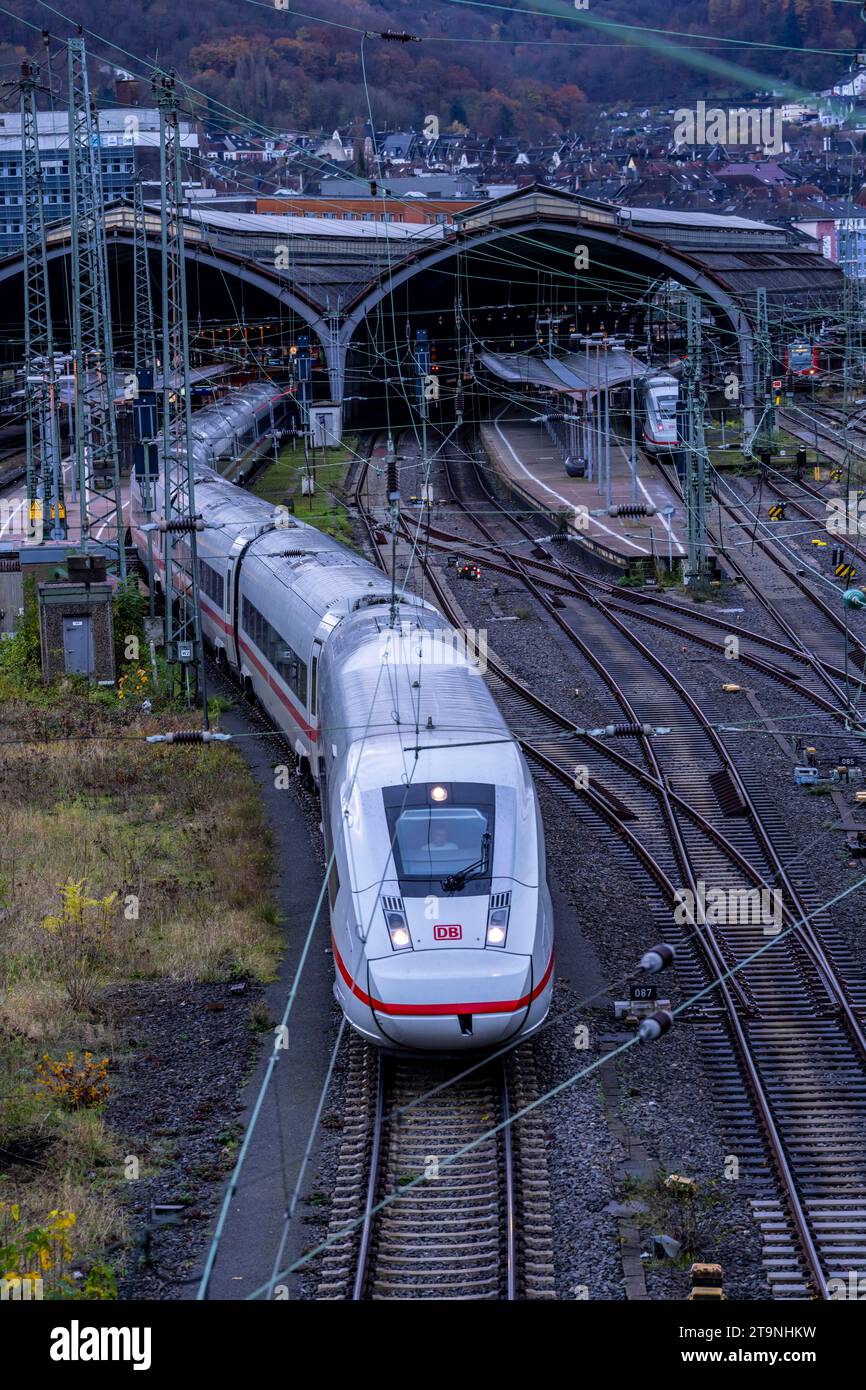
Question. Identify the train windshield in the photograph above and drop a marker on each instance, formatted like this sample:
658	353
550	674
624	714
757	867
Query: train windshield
667	407
441	834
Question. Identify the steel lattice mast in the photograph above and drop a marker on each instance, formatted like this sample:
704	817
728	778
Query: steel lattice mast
96	423
44	472
144	333
695	483
183	630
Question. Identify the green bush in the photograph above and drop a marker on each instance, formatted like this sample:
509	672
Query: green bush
21	656
128	607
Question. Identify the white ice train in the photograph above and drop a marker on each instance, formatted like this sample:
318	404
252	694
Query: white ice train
661	394
441	920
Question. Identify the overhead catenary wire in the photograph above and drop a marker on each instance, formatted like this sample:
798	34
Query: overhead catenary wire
407	1187
405	387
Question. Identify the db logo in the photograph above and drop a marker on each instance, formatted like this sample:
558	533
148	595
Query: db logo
454	933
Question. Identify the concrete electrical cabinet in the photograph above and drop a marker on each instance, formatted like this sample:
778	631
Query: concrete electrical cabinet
326	425
77	632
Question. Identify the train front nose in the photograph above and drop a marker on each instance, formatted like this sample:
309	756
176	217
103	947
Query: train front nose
452	1000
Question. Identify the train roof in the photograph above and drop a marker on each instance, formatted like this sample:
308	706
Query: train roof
233	409
415	677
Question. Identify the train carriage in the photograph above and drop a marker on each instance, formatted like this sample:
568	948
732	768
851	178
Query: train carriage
441	920
661	396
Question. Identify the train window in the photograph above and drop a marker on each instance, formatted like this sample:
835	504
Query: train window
211	583
180	555
434	839
275	649
439	841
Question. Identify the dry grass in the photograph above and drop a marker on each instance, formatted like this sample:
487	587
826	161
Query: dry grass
178	835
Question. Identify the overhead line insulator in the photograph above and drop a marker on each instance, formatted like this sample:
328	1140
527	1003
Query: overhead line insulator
189	736
181	525
632	509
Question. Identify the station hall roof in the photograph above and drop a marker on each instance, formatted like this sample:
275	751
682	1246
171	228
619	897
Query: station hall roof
334	264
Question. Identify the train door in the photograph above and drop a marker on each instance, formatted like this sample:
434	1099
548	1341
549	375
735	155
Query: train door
225	645
228	607
313	700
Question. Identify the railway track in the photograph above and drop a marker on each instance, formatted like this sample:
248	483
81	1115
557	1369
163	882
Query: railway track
817	646
440	1194
558	579
12	466
824	427
784	1031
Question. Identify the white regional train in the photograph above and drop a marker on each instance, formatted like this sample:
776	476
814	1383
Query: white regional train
441	920
661	394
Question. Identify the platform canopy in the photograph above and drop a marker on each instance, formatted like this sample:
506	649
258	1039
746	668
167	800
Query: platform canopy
575	374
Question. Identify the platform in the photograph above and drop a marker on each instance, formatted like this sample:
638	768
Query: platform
531	466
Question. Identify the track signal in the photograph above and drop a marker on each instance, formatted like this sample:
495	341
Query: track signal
777	511
845	570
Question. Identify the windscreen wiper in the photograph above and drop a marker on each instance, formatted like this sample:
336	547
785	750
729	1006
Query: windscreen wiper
455	883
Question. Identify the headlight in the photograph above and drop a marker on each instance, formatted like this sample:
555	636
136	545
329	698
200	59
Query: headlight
497	926
398	931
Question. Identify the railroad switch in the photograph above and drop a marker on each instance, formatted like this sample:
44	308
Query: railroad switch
845	772
706	1283
633	1011
806	776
